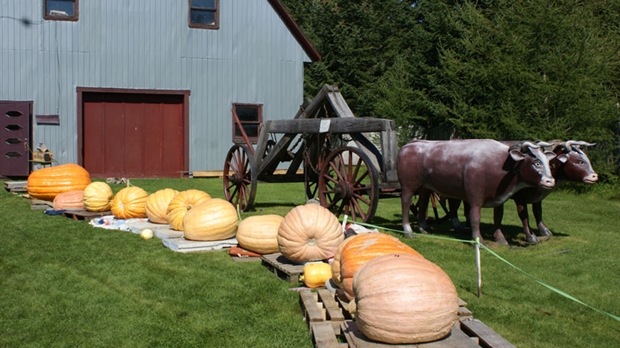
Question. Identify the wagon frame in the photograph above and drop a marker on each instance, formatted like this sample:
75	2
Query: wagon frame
329	152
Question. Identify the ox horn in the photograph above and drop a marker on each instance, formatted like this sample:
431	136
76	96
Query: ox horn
529	144
580	143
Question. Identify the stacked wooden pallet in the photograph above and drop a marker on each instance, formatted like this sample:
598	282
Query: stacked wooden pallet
332	326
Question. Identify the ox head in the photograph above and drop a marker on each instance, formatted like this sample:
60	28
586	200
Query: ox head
534	168
574	163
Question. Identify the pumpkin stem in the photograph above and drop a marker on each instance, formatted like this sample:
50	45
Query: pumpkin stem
352	307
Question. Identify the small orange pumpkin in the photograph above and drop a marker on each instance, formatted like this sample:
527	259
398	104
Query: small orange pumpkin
47	183
309	233
69	200
213	219
404	299
157	205
363	248
129	203
181	204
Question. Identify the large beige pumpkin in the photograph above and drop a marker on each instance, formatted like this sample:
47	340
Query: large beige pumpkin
98	196
309	233
181	204
157	205
47	183
213	219
335	265
129	203
259	233
363	248
404	299
69	200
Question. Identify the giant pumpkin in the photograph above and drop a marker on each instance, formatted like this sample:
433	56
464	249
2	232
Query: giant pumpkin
98	196
309	233
363	248
47	183
73	200
259	233
129	203
157	205
181	204
404	299
213	219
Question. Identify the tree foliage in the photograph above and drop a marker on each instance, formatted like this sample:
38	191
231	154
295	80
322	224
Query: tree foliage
474	69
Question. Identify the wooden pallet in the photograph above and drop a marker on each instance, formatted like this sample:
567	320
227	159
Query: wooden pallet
15	186
84	215
332	326
38	204
283	267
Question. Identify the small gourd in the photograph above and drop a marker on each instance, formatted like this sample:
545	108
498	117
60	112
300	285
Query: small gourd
315	274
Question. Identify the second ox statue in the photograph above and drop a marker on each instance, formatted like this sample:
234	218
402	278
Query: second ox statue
483	172
570	165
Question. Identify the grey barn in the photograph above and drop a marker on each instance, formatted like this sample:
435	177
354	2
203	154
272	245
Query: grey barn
143	88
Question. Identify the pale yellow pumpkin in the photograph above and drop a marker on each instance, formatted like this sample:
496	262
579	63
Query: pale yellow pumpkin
309	233
181	204
213	219
129	203
98	196
259	233
315	274
404	299
157	205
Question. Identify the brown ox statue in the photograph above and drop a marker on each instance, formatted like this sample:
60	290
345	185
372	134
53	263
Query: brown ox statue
570	165
483	172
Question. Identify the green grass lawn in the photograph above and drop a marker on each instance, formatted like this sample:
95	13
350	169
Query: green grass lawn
65	283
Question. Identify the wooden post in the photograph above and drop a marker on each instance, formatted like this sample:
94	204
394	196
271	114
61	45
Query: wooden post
477	246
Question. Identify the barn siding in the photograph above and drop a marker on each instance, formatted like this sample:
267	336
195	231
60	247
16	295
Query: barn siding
145	44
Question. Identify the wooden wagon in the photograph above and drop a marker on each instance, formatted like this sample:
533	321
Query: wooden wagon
345	162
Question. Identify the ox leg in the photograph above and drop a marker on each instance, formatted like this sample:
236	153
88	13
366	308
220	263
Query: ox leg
405	201
423	198
474	220
543	230
498	215
454	216
522	210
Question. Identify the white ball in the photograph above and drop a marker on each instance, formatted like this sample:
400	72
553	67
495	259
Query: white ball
146	233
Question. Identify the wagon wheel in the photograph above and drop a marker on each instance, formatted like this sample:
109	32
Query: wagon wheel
240	177
438	204
348	184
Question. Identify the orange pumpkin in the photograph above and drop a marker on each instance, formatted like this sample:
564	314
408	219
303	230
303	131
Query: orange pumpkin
259	233
157	205
129	203
47	183
98	196
404	299
309	233
181	204
363	248
69	200
213	219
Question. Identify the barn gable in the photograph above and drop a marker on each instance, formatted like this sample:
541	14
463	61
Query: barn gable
132	83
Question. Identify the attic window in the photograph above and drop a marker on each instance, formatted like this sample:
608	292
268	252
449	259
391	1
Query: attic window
61	10
204	14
